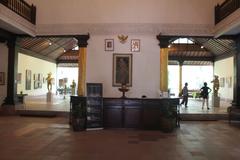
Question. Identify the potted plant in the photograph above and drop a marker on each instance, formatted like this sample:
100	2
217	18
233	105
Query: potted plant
168	119
79	117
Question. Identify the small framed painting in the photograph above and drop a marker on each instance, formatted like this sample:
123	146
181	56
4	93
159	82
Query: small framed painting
2	78
135	45
109	44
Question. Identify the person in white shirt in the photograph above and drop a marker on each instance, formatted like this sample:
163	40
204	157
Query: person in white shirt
185	95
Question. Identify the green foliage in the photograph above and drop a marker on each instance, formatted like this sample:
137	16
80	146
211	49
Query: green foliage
79	111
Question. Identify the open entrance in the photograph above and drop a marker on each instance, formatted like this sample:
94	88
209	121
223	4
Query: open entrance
195	60
43	58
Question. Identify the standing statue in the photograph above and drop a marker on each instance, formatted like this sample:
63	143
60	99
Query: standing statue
49	82
215	82
73	86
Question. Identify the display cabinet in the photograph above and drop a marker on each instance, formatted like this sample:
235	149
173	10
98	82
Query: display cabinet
94	106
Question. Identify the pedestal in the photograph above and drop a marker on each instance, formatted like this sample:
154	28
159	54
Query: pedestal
215	101
49	97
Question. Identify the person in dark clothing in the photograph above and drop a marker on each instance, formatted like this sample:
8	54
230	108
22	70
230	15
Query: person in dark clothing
205	90
185	95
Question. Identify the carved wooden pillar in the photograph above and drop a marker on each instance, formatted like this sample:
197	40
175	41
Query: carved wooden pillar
12	72
82	59
236	79
180	75
164	69
164	42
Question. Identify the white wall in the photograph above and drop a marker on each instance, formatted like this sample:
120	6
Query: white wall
37	66
224	68
3	68
124	11
155	16
146	68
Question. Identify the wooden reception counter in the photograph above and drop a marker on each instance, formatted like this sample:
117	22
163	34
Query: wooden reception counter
142	113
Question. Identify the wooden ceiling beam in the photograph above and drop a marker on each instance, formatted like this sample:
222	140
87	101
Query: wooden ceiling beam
67	61
188	58
186	47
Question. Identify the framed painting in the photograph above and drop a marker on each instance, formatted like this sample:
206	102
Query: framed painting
2	78
36	85
135	45
222	82
28	79
19	78
109	44
122	70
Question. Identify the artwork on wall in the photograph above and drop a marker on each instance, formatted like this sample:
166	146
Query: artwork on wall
135	45
40	80
35	84
122	69
2	78
34	76
229	82
28	79
222	82
109	44
19	78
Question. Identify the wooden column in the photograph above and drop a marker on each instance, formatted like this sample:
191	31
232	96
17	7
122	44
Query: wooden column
82	62
163	43
236	79
10	38
164	69
180	76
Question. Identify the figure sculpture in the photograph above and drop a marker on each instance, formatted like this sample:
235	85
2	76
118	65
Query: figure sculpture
73	86
215	82
49	82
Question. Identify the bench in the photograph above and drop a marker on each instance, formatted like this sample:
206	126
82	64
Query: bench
233	113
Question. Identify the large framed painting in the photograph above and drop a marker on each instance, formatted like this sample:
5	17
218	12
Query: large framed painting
28	79
122	70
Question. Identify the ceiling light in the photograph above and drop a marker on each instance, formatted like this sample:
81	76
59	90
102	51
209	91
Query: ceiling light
169	46
202	47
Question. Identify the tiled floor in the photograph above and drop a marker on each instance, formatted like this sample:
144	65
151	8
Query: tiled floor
25	138
195	106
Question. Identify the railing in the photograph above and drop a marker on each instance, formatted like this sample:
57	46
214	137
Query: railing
225	9
21	8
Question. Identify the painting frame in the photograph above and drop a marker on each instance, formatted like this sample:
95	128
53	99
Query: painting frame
222	82
2	78
135	45
28	79
19	78
122	70
109	44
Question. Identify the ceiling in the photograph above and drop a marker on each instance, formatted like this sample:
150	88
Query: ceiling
48	48
59	50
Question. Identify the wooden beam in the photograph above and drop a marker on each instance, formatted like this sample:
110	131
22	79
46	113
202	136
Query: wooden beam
186	47
67	61
187	58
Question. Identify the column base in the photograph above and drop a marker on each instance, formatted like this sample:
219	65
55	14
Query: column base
216	101
49	97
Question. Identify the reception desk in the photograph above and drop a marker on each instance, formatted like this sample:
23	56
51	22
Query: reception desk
137	112
140	113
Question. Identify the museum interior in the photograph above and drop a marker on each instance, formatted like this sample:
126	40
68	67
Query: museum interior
147	79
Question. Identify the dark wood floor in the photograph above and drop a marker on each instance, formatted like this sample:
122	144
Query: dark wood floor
23	138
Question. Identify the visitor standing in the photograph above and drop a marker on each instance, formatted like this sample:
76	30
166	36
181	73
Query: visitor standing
185	95
205	90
